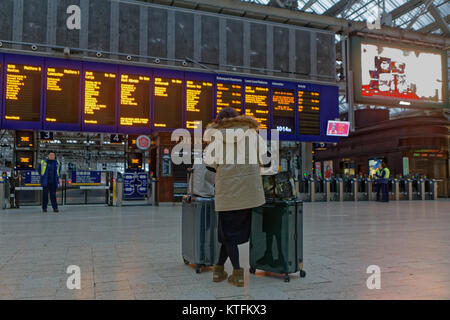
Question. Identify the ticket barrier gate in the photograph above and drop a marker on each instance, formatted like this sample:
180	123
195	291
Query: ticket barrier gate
404	189
364	189
336	189
350	189
431	189
418	189
320	190
304	187
4	191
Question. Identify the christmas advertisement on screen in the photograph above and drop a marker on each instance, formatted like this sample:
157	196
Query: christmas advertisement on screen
388	72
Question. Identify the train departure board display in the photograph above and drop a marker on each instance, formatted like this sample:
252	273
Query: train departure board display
23	92
99	98
228	95
257	104
198	103
62	95
283	104
309	112
134	100
168	107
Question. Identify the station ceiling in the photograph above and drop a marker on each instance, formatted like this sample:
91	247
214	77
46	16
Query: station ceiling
425	16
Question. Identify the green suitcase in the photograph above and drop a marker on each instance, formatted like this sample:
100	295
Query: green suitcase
276	239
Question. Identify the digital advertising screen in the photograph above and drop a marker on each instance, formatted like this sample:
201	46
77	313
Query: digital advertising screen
373	165
199	103
23	92
338	128
168	103
393	75
309	112
99	98
283	106
62	101
257	104
134	100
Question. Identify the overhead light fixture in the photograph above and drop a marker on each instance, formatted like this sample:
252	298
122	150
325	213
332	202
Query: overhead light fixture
405	103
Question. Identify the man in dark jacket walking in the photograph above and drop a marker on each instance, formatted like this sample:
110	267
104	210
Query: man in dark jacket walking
50	170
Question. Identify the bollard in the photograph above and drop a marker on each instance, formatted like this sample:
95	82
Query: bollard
340	188
2	194
312	190
409	189
327	191
422	189
396	190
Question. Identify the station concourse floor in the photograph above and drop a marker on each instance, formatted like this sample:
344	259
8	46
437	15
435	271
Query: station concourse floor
134	252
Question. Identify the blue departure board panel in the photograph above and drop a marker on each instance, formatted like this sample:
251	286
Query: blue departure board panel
59	94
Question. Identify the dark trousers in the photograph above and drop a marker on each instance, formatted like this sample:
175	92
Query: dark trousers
385	192
51	188
378	189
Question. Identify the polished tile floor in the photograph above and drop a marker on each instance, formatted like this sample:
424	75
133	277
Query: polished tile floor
135	253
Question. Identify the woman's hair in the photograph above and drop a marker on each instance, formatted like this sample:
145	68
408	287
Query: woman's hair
225	113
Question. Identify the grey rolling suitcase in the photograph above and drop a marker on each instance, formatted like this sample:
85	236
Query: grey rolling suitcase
199	232
276	240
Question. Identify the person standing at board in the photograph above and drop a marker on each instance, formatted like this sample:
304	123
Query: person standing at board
50	171
238	189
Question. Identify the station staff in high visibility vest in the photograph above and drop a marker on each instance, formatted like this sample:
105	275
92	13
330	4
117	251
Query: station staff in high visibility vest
383	174
50	171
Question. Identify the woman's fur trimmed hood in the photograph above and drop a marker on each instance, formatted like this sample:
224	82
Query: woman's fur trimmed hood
239	121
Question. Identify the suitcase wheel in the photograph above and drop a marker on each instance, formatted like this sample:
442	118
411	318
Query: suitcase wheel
198	269
185	261
302	274
287	278
252	270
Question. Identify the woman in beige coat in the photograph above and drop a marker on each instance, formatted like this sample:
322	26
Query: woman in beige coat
238	189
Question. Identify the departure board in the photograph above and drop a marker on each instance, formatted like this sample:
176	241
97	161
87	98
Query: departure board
309	112
134	100
23	92
62	97
168	110
283	104
257	104
99	98
228	95
198	103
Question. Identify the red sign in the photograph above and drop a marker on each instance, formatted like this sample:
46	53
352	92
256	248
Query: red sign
143	142
338	128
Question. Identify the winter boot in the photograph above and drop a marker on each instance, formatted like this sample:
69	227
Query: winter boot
237	278
219	273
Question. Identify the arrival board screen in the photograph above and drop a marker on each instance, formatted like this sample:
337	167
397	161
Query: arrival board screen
283	104
228	95
62	99
257	104
99	98
309	112
168	110
134	100
23	92
198	103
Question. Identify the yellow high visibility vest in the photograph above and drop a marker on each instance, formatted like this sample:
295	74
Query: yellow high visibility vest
44	167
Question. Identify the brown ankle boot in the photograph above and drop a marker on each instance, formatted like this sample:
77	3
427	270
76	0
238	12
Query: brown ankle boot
237	278
219	273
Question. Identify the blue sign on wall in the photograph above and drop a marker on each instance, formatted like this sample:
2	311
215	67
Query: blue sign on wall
31	178
135	185
86	177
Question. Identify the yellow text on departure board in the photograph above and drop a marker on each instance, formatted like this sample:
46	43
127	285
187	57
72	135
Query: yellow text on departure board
91	93
193	92
54	77
15	81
